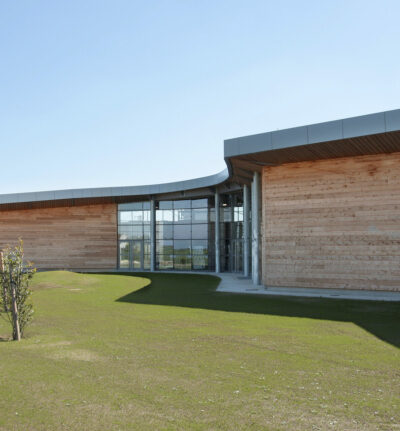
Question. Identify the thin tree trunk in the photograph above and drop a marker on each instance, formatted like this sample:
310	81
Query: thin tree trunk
3	284
14	308
16	331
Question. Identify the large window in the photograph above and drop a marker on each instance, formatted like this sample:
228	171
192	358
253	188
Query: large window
231	232
185	235
134	235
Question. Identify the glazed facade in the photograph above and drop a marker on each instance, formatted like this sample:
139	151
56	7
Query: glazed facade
184	234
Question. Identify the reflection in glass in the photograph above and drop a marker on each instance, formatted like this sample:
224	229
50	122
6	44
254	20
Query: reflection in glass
182	246
200	231
165	205
146	216
146	231
137	231
146	261
124	254
130	206
165	261
182	231
125	217
165	247
125	232
200	261
183	263
199	246
146	247
182	204
164	231
199	203
182	216
164	216
200	215
137	254
137	216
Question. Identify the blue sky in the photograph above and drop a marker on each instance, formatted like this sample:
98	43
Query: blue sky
108	93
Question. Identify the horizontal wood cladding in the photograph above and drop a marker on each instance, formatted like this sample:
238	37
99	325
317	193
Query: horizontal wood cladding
333	223
64	237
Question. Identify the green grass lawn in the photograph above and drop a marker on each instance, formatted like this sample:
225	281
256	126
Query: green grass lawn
114	352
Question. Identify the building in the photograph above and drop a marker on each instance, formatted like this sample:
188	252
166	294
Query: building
313	206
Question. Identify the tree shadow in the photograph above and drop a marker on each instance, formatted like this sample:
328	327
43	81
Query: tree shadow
199	291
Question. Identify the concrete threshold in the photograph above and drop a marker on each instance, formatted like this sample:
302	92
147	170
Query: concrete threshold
233	283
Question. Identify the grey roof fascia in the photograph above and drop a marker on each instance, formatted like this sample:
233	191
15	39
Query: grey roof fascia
104	192
363	125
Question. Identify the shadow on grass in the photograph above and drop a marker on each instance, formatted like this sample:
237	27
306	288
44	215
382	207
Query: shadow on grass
199	291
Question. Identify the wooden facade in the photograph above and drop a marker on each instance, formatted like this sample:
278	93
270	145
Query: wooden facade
70	237
332	223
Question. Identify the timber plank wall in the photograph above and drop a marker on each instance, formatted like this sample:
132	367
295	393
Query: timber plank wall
65	237
333	223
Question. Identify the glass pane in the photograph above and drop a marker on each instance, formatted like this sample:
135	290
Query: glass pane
200	231
124	254
146	216
212	215
182	247
200	262
182	216
165	247
199	246
164	216
200	203
146	205
238	215
137	254
182	231
182	204
125	232
226	214
146	245
146	261
200	215
165	261
165	205
131	206
137	216
164	231
146	231
125	217
237	230
183	263
137	231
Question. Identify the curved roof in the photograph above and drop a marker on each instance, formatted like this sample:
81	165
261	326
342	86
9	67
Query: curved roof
105	192
367	134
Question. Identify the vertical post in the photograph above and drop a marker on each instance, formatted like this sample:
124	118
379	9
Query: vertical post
232	242
246	230
152	235
255	228
217	227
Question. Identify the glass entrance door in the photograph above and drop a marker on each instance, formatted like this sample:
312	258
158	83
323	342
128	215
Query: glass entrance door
124	254
134	254
137	255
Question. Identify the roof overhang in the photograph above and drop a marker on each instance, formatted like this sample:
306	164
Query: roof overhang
367	134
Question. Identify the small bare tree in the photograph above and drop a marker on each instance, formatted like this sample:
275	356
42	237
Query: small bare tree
15	276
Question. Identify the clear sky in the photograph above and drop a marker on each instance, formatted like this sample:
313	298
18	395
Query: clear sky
122	92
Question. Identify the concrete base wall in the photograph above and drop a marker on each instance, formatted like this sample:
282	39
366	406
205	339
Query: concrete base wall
333	223
64	237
